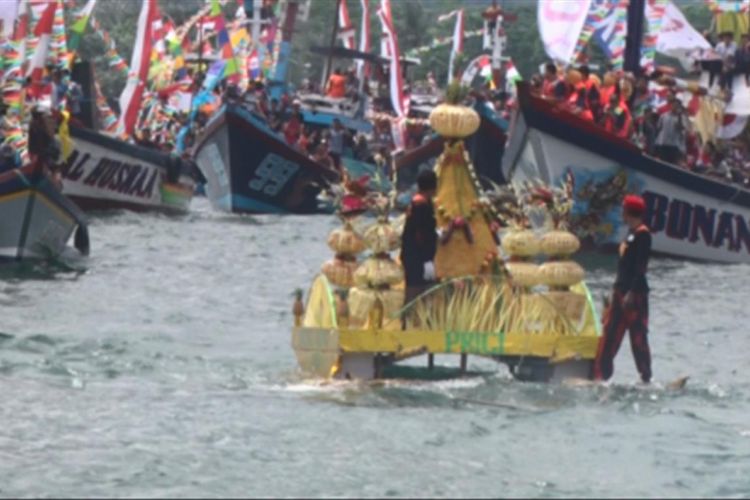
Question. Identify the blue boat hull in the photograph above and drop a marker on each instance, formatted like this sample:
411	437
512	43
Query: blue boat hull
250	169
36	221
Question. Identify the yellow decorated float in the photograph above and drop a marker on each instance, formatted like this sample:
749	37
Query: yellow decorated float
521	300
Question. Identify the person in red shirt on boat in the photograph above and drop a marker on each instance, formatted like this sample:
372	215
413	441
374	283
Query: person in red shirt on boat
628	307
554	86
617	119
293	126
579	103
336	85
419	239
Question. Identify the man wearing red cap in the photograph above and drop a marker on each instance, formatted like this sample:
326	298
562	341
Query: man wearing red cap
628	308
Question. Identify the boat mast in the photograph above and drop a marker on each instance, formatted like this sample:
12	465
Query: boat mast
636	15
334	33
282	65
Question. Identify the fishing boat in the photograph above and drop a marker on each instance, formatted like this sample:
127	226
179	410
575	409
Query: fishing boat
37	221
357	323
691	216
250	169
104	173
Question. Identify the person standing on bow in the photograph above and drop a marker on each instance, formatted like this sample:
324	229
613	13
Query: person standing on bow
419	239
628	307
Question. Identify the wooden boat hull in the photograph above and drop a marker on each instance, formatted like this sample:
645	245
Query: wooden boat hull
36	221
104	173
249	169
691	216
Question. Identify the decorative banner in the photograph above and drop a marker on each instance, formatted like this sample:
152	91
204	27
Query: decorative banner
677	38
8	14
560	24
655	10
58	44
481	65
441	42
113	58
79	25
728	6
731	127
607	24
107	116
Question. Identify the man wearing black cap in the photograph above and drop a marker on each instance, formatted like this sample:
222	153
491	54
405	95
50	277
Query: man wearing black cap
419	239
628	308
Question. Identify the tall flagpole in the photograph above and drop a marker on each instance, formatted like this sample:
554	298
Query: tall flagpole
329	60
634	39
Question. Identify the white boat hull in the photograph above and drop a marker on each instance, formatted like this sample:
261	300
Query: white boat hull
690	216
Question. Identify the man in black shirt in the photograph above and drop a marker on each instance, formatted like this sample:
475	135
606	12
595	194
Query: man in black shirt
419	239
628	308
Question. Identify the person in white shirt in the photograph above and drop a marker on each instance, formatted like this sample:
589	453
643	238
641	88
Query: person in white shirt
726	49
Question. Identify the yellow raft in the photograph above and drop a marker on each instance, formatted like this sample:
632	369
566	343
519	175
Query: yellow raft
541	338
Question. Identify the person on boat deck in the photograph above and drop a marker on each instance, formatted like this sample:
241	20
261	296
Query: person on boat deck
579	103
419	239
593	99
617	118
146	141
726	50
336	85
554	86
628	307
293	126
9	158
742	58
41	134
336	143
672	133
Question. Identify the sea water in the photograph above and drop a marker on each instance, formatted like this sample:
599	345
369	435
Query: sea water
161	366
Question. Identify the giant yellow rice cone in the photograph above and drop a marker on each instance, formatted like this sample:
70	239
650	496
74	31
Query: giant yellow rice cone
457	202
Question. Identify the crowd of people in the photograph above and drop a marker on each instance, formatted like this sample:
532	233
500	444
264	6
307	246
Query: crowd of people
648	111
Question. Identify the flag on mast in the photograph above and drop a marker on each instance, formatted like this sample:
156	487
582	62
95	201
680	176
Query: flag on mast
363	68
79	26
43	31
346	33
132	95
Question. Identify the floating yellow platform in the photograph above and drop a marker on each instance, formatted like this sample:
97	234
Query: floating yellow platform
324	348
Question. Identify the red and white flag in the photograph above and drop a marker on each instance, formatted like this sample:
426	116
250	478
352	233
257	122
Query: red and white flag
132	95
731	127
399	99
43	31
345	24
363	68
458	38
21	28
385	47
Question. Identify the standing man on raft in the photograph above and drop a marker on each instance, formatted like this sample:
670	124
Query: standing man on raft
420	238
628	308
